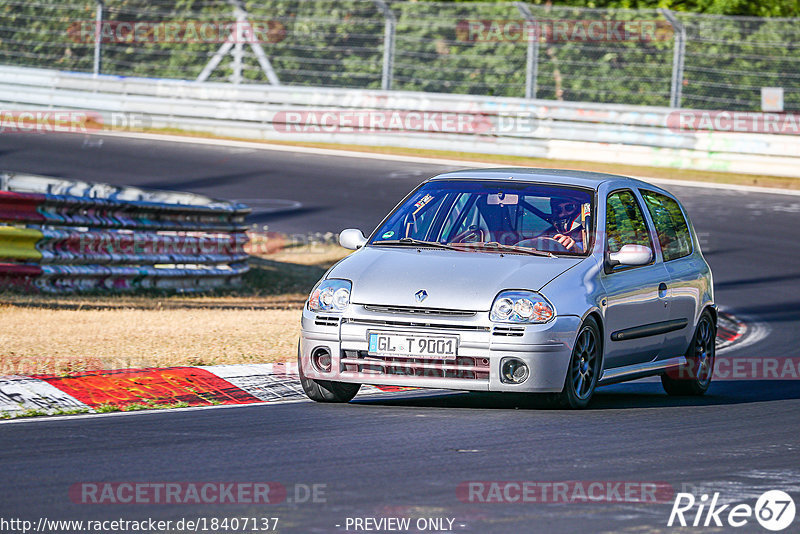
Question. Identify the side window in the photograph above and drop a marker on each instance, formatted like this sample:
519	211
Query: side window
673	232
625	224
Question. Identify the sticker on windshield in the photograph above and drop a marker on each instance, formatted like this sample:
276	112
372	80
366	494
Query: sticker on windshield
422	202
387	235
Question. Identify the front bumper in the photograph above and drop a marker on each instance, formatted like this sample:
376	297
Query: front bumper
545	348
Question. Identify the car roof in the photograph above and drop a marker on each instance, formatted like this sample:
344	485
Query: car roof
551	176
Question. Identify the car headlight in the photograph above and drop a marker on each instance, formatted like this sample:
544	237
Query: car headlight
330	296
521	307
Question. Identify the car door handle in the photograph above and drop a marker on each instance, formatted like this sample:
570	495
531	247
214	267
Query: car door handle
662	290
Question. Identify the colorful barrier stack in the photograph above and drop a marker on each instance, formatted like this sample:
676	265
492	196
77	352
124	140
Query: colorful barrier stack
64	236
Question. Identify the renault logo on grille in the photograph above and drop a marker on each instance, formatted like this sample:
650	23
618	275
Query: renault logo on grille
421	295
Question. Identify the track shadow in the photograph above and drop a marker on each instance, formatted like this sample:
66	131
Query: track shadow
773	313
203	183
756	281
617	397
714	252
271	217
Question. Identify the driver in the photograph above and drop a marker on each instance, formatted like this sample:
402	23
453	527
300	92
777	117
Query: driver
565	214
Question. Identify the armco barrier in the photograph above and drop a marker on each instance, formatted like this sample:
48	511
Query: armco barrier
613	133
90	237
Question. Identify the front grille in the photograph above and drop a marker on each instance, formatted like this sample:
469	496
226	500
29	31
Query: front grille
410	310
326	320
463	367
380	322
509	331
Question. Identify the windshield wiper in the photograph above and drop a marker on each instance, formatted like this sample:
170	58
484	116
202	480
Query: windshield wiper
410	241
494	245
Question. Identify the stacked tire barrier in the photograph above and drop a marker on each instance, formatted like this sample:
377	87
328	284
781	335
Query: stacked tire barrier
60	236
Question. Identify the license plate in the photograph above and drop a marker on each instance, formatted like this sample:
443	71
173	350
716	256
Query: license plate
413	345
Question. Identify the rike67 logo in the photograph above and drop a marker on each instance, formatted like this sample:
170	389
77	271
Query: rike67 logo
774	510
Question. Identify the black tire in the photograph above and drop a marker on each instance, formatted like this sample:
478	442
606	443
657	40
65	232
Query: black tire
694	378
325	390
584	367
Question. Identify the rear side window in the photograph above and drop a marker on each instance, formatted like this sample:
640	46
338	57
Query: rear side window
625	224
671	227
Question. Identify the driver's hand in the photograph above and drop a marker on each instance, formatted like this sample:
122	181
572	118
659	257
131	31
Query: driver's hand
566	241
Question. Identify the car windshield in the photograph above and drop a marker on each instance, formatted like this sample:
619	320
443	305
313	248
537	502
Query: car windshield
509	217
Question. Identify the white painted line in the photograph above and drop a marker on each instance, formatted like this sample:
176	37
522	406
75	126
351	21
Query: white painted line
414	159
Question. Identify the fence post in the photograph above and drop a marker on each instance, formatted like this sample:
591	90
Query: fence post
98	36
679	52
388	45
238	51
532	55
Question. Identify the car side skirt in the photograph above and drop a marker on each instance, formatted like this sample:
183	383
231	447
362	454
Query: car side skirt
639	370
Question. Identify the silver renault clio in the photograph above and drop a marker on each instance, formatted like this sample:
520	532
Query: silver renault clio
516	280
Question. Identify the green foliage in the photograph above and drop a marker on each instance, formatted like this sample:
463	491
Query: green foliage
768	8
339	43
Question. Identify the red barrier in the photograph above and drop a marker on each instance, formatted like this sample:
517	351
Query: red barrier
196	387
18	275
20	207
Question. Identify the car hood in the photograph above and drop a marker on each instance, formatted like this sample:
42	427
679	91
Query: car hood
453	279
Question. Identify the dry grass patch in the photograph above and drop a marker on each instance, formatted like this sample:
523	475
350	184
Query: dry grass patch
256	324
59	341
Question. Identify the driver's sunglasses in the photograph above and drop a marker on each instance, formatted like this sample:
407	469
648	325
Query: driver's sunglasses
567	207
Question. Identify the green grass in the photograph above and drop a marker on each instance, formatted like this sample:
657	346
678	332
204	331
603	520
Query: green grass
34	412
147	404
152	405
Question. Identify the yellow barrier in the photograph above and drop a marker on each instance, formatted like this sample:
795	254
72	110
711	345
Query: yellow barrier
19	243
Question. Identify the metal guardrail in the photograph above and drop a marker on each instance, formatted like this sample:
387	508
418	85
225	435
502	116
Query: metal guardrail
636	135
65	236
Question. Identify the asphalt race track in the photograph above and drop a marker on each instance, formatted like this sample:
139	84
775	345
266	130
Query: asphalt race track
405	455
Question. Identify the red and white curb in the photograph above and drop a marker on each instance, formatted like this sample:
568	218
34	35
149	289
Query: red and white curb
192	386
730	330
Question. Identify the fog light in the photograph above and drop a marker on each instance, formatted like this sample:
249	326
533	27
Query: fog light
513	371
321	360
